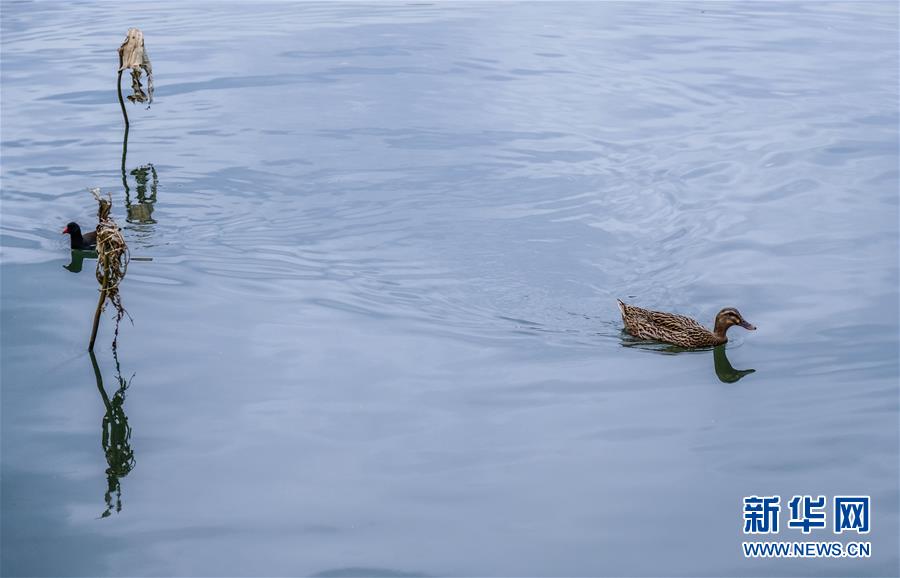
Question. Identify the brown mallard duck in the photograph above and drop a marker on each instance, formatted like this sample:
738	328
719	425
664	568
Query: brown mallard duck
678	329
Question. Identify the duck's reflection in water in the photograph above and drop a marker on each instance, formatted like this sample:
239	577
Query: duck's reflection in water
723	368
724	371
115	437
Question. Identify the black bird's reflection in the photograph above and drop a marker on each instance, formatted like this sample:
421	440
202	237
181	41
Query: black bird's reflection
78	257
723	368
115	437
724	371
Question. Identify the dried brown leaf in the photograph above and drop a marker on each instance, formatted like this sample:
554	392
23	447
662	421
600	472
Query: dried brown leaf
133	55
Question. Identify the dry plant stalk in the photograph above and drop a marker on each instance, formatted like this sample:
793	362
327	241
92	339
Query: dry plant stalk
112	263
133	55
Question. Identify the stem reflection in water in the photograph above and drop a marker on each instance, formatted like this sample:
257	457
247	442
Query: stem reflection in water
115	437
141	210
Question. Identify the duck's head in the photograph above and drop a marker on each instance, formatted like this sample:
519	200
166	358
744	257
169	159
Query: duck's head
72	229
728	317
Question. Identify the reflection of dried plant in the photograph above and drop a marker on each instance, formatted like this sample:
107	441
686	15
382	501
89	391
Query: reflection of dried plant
112	263
133	55
116	437
117	442
141	211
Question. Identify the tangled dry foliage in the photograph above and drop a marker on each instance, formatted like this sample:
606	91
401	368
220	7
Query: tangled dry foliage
112	264
133	55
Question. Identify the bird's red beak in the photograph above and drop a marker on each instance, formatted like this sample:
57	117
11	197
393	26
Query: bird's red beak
64	231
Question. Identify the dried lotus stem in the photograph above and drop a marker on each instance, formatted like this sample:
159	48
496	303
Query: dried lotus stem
112	264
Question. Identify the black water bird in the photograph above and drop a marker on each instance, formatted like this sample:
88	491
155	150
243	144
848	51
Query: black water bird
85	242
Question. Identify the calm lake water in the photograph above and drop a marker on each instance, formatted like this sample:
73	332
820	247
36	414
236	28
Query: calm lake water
375	329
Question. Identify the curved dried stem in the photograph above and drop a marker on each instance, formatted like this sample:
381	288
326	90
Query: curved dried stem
122	102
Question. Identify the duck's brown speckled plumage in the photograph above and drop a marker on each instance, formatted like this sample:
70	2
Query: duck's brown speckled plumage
678	329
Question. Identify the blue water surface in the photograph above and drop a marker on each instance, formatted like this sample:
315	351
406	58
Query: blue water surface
377	249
